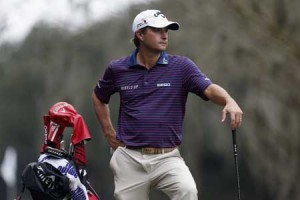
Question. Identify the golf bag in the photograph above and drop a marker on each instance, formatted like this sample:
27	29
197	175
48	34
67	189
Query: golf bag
59	174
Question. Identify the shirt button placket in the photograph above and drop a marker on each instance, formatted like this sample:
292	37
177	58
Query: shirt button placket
146	83
146	80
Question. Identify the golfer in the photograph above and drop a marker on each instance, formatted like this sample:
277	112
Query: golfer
153	88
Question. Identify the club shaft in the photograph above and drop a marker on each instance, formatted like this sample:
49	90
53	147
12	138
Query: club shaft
236	163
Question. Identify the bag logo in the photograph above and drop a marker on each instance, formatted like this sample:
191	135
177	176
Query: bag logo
49	181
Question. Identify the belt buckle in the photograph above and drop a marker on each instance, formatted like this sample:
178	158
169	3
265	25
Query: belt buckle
148	150
152	150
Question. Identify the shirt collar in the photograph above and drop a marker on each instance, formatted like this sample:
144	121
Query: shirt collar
163	59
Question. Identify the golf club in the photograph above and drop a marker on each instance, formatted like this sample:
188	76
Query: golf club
236	162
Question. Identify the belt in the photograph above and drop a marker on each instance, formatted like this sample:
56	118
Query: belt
151	150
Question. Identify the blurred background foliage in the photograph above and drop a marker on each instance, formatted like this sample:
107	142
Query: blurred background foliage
251	48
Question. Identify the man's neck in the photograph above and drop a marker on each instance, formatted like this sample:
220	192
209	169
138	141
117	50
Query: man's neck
147	58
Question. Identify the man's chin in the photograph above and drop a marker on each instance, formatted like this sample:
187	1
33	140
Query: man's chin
162	48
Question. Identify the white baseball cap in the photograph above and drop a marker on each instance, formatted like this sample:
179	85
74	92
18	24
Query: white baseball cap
153	18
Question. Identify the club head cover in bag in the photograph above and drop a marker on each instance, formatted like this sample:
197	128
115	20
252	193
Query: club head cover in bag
64	114
45	182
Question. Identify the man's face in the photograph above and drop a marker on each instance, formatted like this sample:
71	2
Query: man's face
155	38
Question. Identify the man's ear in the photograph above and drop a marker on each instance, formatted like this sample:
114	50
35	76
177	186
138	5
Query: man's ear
139	35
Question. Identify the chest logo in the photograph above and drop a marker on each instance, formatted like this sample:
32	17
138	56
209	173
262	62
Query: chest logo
129	87
163	84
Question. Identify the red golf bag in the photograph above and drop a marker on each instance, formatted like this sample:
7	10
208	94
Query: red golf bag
57	168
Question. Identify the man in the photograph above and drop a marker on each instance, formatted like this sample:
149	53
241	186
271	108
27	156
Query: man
153	88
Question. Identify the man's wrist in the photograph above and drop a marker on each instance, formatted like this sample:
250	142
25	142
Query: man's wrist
229	99
109	134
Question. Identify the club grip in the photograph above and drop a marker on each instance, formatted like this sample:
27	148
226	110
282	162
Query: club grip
234	142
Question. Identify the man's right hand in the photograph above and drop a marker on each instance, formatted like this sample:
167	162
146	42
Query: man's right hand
103	116
112	140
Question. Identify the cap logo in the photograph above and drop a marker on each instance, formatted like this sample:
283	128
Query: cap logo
142	23
159	13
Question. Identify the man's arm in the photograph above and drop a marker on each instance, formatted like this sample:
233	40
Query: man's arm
103	116
219	96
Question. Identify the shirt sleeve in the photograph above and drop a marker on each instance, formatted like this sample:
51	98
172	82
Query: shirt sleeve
194	80
105	86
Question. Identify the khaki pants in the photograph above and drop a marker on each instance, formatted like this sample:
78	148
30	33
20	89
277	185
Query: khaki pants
135	174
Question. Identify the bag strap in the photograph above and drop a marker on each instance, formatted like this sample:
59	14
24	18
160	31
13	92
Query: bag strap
19	195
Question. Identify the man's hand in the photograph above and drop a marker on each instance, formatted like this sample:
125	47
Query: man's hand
103	116
235	112
219	96
112	140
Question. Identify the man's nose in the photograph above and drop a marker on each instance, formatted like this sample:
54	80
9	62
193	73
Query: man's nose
164	33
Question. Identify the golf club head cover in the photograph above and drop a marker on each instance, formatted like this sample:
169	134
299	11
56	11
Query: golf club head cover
79	154
52	134
65	115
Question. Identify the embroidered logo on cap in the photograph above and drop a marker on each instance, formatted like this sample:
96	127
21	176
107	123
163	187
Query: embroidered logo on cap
159	13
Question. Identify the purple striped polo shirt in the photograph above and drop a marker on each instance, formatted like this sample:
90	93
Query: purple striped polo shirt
152	102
